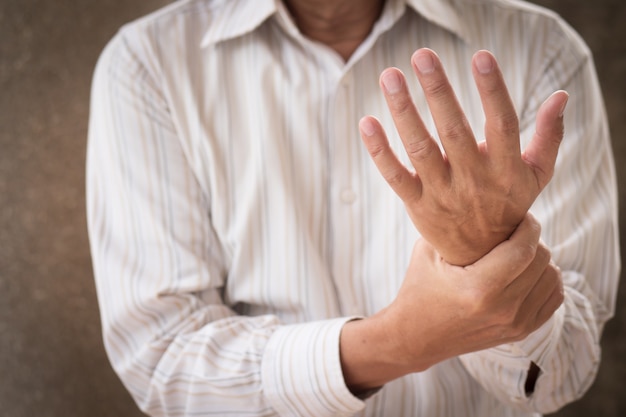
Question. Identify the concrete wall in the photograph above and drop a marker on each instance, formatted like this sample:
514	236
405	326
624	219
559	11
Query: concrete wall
51	358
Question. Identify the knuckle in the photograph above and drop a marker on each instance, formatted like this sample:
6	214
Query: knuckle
512	326
420	148
558	132
554	274
508	317
559	294
473	302
394	178
552	136
559	298
518	336
402	106
454	130
526	253
543	254
520	328
482	305
507	124
512	332
534	224
437	88
378	150
554	132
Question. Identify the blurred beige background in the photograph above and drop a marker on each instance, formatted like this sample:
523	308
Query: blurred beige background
52	362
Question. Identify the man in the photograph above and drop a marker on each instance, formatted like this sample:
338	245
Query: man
251	259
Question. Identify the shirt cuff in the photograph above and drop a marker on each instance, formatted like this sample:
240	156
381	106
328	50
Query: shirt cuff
301	371
536	347
505	367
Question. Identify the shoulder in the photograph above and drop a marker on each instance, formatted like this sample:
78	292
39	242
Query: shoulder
522	23
161	38
186	19
182	12
181	22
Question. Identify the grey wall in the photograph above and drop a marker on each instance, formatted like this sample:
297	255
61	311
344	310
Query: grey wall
51	358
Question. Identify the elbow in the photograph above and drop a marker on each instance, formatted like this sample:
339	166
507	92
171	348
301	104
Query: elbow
137	368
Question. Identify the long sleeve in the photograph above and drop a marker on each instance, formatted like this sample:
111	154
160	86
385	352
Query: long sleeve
161	269
578	211
236	221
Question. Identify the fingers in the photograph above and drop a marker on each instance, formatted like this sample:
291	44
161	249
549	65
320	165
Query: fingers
454	130
523	285
543	148
532	297
542	301
502	124
421	148
512	257
406	185
546	298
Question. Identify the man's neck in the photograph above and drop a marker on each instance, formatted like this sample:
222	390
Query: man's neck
339	24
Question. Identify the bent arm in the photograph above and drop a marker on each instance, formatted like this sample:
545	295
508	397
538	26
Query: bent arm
161	269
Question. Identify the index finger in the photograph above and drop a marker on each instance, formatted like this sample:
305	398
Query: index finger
421	148
407	186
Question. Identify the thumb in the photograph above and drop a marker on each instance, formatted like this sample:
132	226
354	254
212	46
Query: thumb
543	148
510	258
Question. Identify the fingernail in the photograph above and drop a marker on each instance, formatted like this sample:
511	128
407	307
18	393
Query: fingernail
367	127
424	62
484	62
392	82
564	105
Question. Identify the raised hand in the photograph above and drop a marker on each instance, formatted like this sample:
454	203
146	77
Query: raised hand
472	197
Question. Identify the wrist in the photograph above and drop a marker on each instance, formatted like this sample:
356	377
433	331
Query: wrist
371	354
470	251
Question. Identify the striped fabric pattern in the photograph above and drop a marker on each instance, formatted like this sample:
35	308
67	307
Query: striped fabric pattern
237	222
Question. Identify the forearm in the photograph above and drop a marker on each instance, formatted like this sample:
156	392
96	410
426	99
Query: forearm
369	355
193	368
235	364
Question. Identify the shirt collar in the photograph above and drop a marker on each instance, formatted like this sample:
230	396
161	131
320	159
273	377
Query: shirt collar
244	16
239	17
444	13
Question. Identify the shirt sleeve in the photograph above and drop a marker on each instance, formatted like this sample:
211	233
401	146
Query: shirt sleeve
578	213
160	273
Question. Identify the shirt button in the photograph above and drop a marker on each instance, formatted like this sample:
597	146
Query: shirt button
348	196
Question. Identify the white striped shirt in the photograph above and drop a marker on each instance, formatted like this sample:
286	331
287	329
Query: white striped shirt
237	222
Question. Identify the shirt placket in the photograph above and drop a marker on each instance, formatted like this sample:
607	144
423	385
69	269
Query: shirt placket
344	196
